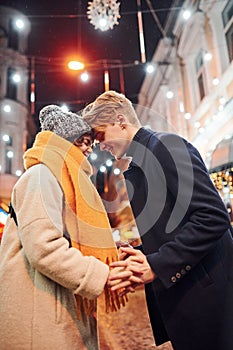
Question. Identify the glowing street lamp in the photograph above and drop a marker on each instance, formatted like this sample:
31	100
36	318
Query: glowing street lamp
76	65
84	76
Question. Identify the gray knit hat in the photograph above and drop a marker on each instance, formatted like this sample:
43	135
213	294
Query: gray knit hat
68	125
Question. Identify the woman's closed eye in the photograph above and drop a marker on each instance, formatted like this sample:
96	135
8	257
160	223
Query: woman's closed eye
88	143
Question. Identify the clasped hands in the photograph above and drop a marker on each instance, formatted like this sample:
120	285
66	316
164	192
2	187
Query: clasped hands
130	271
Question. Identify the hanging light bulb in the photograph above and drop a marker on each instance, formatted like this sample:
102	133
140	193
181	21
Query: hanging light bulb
84	77
103	14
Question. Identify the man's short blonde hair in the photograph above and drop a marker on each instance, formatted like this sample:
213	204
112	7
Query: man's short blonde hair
106	108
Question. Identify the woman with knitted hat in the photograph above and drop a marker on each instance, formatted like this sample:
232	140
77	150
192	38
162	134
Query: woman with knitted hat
54	256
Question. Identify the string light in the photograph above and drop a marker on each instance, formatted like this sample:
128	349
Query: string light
7	108
150	68
186	14
103	14
64	108
223	179
169	94
19	24
84	77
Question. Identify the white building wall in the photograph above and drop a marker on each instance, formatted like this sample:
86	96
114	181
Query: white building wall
13	45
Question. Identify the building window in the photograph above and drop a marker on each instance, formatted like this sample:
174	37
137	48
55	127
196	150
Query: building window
229	37
3	35
13	37
227	17
200	75
8	160
201	86
11	86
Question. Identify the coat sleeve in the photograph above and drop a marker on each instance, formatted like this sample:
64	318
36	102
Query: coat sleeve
198	217
38	202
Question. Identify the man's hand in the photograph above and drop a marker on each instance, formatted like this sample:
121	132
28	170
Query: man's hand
137	264
119	278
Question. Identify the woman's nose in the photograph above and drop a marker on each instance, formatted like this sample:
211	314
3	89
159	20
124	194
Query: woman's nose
89	149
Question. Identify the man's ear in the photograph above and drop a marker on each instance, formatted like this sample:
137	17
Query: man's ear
122	119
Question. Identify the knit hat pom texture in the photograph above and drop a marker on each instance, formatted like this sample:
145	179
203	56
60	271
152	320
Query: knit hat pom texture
68	125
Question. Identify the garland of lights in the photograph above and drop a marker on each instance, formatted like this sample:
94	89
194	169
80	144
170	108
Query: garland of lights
103	14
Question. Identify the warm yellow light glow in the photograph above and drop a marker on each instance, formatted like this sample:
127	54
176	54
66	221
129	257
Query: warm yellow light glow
32	96
141	35
76	65
106	80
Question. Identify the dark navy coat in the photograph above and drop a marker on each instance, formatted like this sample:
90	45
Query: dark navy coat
187	238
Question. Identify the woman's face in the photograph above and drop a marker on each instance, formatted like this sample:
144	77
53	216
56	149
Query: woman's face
84	143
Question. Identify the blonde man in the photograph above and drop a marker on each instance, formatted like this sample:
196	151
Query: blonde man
186	256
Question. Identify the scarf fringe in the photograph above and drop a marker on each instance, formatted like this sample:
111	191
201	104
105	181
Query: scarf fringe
113	301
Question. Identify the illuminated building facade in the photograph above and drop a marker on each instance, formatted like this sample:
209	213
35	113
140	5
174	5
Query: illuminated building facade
14	108
190	91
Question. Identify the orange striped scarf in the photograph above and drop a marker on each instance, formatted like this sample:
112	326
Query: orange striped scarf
85	217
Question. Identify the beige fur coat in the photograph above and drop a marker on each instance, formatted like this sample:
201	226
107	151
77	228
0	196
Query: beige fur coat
39	273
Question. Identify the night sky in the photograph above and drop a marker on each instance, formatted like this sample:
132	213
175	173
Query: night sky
61	29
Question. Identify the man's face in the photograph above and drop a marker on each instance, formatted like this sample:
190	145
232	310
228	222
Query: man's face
113	138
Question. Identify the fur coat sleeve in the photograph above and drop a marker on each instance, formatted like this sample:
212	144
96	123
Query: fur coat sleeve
38	202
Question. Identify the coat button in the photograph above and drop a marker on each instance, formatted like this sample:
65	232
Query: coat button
182	271
188	268
178	275
173	279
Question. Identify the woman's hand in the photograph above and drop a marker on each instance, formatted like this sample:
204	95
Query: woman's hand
131	272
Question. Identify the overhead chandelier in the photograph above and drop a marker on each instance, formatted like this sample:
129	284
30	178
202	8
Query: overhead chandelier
103	14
